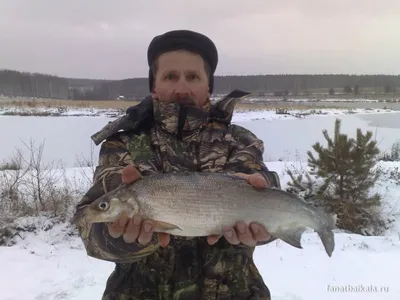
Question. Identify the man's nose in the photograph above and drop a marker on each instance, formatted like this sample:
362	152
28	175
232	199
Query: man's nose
182	88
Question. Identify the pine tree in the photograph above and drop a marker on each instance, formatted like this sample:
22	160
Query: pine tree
346	166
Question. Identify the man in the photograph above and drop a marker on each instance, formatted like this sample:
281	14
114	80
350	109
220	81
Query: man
177	129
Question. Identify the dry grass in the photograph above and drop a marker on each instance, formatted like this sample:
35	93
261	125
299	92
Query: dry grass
51	103
120	104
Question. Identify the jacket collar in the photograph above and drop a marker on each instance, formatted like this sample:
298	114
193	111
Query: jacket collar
180	120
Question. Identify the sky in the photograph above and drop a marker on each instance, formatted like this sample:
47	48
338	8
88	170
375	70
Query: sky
102	39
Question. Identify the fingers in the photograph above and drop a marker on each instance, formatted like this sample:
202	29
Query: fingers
136	230
244	234
242	175
212	239
130	174
239	234
117	228
146	232
231	235
248	235
133	229
164	239
256	179
259	232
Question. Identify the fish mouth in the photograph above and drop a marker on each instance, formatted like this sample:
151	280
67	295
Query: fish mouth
89	215
81	211
94	217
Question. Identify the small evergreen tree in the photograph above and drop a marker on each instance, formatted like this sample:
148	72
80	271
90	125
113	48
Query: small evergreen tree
346	168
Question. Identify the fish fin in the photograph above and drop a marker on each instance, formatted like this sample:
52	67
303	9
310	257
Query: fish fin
328	240
164	226
292	236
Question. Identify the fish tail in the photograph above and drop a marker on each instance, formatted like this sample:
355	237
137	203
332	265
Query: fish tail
328	240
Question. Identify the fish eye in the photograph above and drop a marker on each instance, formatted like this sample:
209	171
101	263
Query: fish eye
103	205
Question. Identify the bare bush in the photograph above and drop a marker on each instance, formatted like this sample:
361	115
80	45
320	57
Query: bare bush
393	155
85	163
37	189
10	184
13	164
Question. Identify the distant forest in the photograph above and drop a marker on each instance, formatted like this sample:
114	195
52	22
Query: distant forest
36	85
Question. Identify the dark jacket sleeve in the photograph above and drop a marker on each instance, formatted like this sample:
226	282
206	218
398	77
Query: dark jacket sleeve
98	243
246	156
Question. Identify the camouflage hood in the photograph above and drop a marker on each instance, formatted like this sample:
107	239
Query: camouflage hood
178	119
172	118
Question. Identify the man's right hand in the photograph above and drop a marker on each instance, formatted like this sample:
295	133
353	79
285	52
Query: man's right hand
134	229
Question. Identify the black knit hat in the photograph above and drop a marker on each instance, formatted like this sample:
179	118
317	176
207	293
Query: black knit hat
184	39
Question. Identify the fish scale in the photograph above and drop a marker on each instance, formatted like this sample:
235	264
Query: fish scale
202	204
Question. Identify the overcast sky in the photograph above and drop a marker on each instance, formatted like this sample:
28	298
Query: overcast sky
109	39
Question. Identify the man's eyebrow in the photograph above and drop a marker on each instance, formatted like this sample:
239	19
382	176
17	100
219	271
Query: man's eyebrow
164	71
192	71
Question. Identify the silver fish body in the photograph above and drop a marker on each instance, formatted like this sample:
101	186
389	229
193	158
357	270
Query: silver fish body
202	204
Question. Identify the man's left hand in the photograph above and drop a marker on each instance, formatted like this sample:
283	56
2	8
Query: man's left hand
250	234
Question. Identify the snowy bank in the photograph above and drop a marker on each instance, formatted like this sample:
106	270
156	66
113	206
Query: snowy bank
239	115
292	114
52	264
60	111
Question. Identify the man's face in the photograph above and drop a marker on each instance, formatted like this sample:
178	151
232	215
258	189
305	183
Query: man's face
181	77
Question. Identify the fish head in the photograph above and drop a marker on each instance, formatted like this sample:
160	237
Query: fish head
108	207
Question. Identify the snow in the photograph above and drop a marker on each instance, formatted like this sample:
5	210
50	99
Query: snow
293	114
50	263
248	115
60	111
268	125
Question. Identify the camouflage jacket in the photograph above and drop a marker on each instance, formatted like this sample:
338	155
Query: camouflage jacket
188	268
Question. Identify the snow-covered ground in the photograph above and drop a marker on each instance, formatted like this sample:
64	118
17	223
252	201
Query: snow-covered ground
52	264
59	111
267	114
271	115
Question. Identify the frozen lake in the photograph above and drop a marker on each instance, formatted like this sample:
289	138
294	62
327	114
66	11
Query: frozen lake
64	271
68	138
291	139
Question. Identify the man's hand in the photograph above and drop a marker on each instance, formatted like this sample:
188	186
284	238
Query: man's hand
250	234
134	229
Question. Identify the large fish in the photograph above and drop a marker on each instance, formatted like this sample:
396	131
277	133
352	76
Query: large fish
202	204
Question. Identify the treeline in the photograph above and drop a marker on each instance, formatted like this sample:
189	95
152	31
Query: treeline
23	84
277	85
302	84
130	89
35	85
